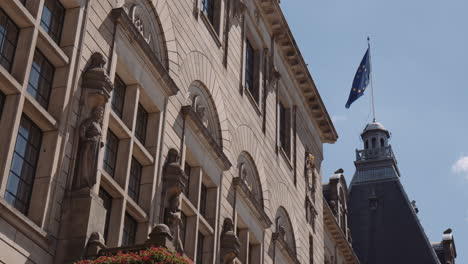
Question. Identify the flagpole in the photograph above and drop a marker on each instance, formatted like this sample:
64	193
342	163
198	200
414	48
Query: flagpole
371	79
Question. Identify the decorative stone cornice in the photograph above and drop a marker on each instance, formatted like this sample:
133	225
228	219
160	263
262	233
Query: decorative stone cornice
274	18
120	17
192	119
337	234
255	207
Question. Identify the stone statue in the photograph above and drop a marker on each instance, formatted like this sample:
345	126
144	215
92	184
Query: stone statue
88	151
174	221
310	165
230	245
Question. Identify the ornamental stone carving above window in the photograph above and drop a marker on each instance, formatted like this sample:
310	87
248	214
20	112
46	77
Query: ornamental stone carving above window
285	229
249	175
143	15
203	106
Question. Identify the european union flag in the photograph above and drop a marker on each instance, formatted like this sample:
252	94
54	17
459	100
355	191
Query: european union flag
361	80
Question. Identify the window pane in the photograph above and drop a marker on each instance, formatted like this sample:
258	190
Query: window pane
118	96
188	172
203	200
129	231
107	203
200	242
135	180
250	71
110	153
40	79
52	17
208	8
8	40
141	123
23	166
2	103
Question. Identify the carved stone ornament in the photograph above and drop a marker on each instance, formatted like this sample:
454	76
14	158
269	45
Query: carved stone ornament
161	237
135	13
95	244
174	182
238	8
97	81
230	245
310	165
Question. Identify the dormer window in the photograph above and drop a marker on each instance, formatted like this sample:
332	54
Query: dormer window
382	143
374	142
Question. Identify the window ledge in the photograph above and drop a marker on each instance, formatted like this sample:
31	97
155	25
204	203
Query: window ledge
24	224
253	102
51	49
9	85
135	210
142	153
211	29
36	112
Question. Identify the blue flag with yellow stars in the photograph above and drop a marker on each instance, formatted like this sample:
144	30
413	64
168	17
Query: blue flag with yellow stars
361	80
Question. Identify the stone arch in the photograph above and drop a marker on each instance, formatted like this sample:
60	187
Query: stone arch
197	67
153	16
283	224
202	103
244	140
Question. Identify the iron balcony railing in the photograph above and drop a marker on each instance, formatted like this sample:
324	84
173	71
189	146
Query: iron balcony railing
374	153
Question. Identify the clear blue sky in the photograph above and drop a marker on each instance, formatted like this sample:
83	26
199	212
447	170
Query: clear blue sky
420	63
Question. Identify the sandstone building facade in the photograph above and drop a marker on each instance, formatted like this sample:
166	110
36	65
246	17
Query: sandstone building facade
120	115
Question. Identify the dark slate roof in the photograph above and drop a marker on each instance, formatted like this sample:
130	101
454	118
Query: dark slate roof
391	233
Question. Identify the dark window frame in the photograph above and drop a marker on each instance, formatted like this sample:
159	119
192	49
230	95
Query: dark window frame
44	83
285	128
203	200
118	96
7	40
141	124
2	103
29	159
209	10
107	204
129	231
188	172
250	71
54	27
200	247
134	182
110	163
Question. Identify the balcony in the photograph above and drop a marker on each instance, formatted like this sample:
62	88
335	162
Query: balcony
374	153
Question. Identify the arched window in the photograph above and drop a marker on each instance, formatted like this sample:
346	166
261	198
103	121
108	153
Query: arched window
147	23
374	142
203	105
249	174
382	143
366	144
283	225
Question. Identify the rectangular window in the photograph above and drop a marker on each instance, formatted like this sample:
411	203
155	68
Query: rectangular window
135	180
107	203
118	96
203	200
200	246
52	18
250	66
141	123
40	79
8	40
284	129
188	172
23	166
129	231
110	153
2	103
208	8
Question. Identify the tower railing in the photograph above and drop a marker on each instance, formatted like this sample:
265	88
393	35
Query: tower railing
374	153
